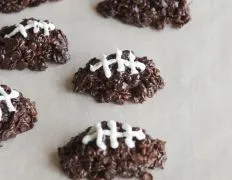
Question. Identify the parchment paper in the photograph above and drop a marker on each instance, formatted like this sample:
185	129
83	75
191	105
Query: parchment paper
192	113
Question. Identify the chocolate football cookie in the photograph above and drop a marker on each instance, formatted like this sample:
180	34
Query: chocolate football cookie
17	113
118	78
153	13
31	44
9	6
111	149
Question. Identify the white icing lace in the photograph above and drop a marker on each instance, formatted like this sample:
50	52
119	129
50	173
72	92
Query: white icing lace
96	132
7	98
36	25
122	64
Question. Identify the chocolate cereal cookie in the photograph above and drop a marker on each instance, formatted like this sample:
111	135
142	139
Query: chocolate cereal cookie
111	149
9	6
31	44
17	113
118	78
141	13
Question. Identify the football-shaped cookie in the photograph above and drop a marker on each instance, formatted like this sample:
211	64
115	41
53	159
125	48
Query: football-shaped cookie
17	113
32	44
110	149
153	13
118	78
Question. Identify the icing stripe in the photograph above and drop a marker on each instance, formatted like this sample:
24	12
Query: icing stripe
122	63
36	25
7	98
96	132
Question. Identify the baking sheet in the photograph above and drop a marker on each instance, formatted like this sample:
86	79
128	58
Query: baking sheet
192	113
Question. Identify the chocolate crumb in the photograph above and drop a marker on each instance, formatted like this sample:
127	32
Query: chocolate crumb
10	6
34	50
121	86
147	176
141	13
14	123
80	160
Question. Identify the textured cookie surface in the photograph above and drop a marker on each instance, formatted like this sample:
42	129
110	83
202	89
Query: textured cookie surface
123	77
153	13
9	6
17	113
127	152
31	44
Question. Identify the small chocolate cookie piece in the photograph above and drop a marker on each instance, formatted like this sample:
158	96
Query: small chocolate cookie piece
153	13
31	44
118	78
34	3
9	6
17	113
111	149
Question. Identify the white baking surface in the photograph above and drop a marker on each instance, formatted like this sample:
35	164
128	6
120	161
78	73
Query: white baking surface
192	113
